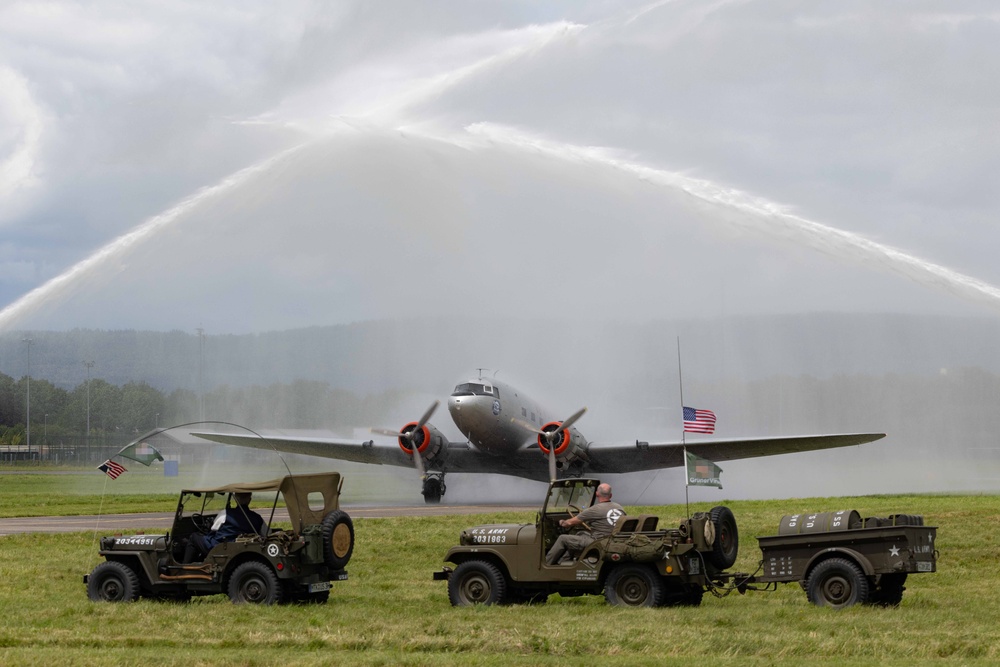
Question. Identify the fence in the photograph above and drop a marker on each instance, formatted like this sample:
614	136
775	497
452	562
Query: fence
70	450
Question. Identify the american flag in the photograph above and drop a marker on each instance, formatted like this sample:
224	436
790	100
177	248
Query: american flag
699	421
112	469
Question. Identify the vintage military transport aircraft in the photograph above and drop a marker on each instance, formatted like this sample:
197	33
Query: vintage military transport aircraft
510	434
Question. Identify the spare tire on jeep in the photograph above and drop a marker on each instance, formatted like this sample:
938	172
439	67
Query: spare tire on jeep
338	539
726	545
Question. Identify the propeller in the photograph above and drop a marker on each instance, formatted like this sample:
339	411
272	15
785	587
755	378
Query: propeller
410	436
551	436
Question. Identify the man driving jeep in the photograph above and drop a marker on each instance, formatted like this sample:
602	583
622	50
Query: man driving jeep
239	520
598	521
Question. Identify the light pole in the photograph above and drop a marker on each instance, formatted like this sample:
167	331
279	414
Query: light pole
29	342
201	378
89	365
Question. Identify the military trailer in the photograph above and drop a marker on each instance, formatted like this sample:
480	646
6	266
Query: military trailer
294	564
838	558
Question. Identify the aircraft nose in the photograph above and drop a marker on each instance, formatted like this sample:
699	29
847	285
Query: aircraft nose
455	408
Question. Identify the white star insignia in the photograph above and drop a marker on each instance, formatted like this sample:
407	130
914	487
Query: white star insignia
894	551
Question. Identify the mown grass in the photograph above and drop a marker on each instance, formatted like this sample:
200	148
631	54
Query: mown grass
391	612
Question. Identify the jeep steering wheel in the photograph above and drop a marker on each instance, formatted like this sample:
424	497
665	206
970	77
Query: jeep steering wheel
200	523
570	510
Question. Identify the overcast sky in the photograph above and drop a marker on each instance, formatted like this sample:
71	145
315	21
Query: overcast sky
250	166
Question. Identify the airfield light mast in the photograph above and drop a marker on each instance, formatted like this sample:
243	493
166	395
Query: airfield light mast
89	365
29	341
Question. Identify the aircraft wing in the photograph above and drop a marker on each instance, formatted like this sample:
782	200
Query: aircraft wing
527	463
653	456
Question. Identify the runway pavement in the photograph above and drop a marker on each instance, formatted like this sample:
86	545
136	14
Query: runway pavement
161	521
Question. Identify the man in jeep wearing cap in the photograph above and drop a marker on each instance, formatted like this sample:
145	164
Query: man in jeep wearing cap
598	521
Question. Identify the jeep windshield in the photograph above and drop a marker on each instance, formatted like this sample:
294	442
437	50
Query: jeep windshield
578	493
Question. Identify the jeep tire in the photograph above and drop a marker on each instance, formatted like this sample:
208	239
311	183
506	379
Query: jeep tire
338	539
726	546
634	585
112	581
255	583
477	582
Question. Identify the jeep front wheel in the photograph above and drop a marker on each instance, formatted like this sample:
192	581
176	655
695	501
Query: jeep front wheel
634	586
112	581
477	582
254	583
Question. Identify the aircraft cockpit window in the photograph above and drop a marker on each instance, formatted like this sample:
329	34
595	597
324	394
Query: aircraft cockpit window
475	389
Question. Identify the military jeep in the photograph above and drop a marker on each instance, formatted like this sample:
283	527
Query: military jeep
637	565
277	565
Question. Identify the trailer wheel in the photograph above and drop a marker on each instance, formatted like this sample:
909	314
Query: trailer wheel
477	582
634	586
889	592
837	583
726	546
112	581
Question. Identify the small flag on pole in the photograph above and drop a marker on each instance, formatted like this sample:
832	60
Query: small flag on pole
699	421
143	452
112	469
702	472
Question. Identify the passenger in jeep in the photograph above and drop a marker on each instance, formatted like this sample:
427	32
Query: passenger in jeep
240	520
598	521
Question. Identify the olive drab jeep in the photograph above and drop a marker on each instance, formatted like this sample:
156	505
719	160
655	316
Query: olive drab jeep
637	565
276	565
838	558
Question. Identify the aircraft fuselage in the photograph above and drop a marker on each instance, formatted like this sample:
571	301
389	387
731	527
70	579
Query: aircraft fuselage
487	413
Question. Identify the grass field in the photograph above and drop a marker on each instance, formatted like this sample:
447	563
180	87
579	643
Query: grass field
391	612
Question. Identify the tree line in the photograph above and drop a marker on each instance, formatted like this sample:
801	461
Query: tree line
136	407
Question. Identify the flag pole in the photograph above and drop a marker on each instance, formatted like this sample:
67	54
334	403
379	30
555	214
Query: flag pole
680	380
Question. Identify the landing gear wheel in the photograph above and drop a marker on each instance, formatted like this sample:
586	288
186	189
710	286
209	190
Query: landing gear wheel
837	583
477	582
726	545
112	581
634	586
255	583
433	489
338	539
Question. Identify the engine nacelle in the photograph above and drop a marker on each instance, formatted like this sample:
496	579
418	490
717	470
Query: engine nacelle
429	442
569	445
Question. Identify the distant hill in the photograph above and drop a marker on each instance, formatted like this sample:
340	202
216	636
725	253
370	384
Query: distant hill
374	356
